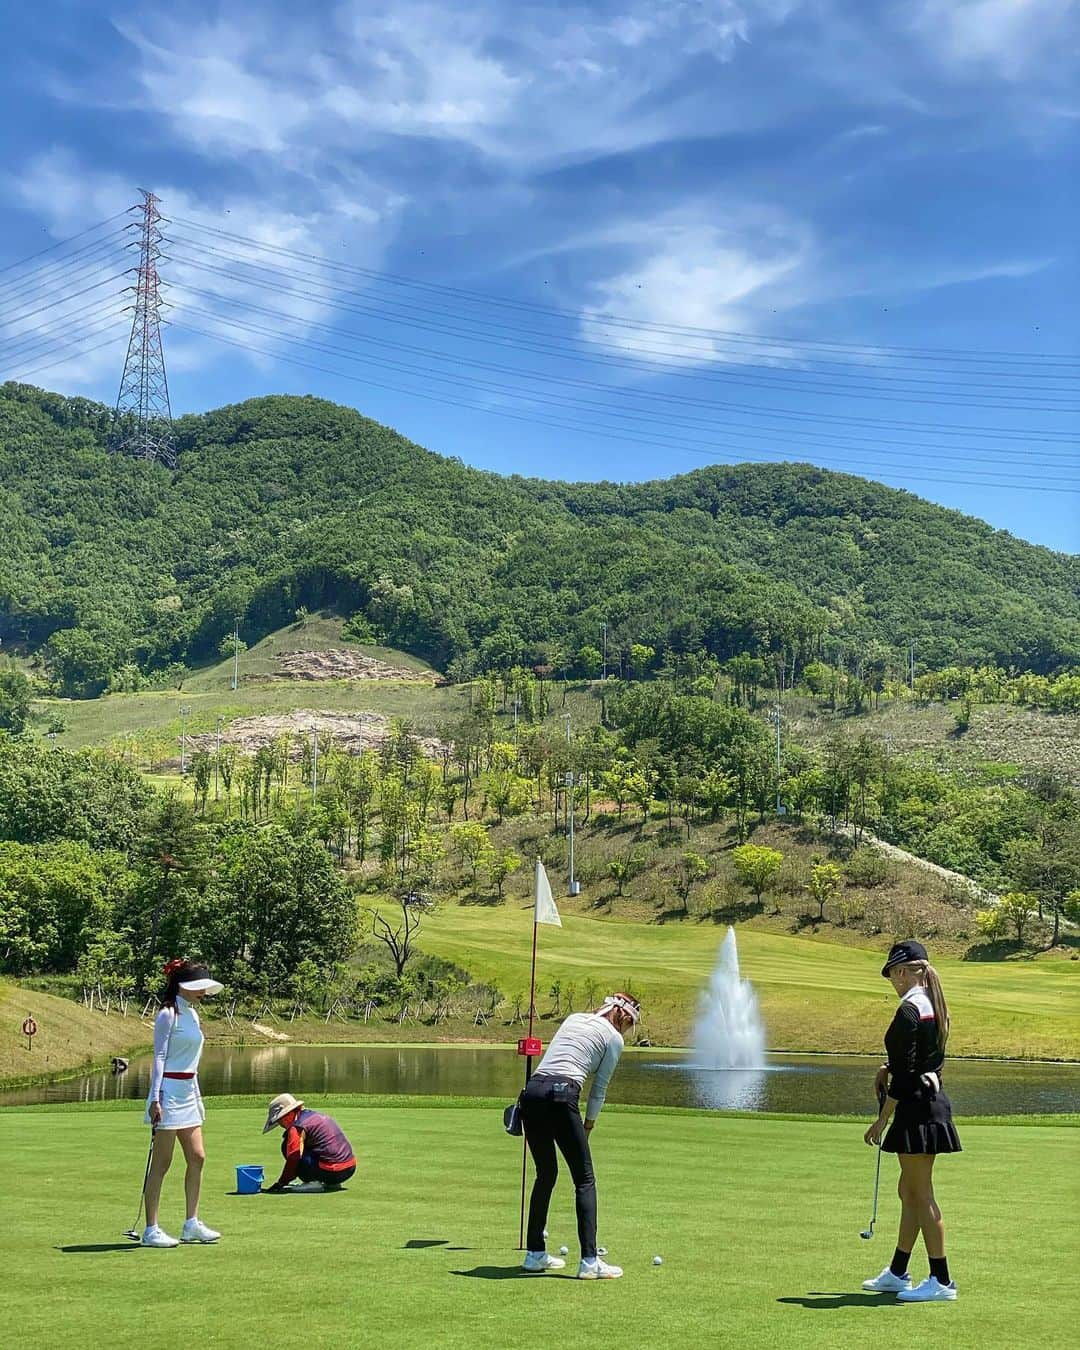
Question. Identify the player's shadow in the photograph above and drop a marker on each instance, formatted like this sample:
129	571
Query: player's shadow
497	1273
100	1247
422	1244
817	1299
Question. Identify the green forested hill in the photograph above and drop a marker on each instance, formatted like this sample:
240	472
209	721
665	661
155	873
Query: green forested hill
282	502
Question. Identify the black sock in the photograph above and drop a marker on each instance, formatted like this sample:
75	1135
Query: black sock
899	1262
939	1267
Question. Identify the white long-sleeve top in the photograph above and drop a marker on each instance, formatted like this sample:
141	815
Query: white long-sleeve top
178	1043
585	1044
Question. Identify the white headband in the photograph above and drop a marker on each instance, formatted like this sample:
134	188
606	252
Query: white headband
624	1004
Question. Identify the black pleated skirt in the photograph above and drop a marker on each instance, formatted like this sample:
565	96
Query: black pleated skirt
923	1125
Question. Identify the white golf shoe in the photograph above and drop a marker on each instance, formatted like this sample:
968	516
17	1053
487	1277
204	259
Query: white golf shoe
306	1188
887	1283
595	1269
153	1236
537	1262
194	1230
930	1291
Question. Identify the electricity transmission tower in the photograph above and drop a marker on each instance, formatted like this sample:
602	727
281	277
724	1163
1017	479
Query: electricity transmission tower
142	406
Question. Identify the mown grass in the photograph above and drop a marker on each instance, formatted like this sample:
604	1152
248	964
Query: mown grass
69	1035
813	995
757	1222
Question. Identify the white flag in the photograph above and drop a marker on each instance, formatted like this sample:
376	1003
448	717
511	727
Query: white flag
545	904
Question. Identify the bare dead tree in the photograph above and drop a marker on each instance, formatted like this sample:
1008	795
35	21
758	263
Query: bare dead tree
399	934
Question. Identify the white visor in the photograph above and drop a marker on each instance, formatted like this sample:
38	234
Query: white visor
204	986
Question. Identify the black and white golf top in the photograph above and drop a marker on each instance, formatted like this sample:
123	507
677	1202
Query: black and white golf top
912	1046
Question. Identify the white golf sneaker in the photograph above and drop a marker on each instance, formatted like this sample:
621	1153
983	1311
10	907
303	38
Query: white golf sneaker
153	1236
306	1188
595	1269
194	1230
540	1261
930	1291
887	1283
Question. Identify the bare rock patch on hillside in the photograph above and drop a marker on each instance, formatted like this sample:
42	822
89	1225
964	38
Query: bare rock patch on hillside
351	732
340	663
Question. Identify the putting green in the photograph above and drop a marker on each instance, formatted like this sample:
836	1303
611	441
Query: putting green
813	995
757	1221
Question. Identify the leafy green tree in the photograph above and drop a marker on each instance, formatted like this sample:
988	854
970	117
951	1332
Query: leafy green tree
15	695
625	867
499	865
470	843
757	867
824	885
690	871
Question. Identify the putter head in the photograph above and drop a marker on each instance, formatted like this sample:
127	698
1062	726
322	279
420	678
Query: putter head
867	1234
131	1233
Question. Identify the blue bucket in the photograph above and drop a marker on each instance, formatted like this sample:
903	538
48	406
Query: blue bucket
249	1180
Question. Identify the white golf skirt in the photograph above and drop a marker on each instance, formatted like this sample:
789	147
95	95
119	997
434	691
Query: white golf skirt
181	1105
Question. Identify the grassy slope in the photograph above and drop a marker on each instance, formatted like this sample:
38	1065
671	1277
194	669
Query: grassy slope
69	1035
813	995
752	1257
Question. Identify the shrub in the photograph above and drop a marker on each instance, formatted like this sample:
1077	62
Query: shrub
867	868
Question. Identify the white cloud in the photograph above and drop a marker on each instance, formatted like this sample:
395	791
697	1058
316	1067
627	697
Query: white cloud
1012	39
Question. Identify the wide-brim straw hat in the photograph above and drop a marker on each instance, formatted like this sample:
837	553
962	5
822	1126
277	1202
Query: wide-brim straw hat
279	1107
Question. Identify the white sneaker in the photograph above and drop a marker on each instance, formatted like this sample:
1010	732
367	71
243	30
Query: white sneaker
595	1269
194	1230
887	1283
540	1261
153	1236
306	1188
930	1291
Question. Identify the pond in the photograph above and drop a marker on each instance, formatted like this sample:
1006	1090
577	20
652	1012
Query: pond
828	1084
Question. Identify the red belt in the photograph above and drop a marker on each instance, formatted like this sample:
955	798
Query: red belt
178	1075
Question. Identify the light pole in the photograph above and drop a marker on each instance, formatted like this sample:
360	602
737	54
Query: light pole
314	764
217	760
236	654
185	711
779	805
603	638
571	783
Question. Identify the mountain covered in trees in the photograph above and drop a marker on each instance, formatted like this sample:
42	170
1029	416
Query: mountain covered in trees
283	502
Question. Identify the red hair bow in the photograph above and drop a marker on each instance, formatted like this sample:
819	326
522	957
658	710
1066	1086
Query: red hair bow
174	964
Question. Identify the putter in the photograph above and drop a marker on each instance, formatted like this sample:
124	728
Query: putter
133	1231
868	1233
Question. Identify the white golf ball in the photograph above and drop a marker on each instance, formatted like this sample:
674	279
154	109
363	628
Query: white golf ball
545	1232
658	1260
564	1251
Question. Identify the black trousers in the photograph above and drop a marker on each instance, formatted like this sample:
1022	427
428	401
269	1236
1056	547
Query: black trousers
552	1118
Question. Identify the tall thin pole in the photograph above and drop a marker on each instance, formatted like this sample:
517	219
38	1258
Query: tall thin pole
778	804
528	1075
184	710
217	759
144	426
236	654
314	764
603	633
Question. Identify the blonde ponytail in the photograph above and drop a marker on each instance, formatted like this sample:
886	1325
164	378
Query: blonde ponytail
936	995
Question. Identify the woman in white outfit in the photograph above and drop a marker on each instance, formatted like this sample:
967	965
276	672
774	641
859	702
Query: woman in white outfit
174	1106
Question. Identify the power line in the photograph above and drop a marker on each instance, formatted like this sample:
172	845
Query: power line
662	416
591	429
481	297
582	350
22	375
63	242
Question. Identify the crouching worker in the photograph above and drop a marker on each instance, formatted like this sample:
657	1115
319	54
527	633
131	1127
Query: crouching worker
314	1148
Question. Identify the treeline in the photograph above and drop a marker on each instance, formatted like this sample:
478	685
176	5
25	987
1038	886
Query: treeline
116	571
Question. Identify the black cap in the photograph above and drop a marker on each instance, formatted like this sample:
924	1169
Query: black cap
902	952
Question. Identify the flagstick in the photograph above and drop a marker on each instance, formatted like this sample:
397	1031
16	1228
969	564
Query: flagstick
528	1075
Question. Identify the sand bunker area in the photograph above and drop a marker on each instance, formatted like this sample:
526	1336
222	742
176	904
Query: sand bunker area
339	663
351	732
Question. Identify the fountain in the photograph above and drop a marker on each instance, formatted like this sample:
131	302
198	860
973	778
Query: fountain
729	1039
729	1032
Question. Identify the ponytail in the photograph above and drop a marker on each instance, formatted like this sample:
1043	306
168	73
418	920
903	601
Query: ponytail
936	995
173	973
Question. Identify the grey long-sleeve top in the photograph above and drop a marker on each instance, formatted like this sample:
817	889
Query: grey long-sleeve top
585	1044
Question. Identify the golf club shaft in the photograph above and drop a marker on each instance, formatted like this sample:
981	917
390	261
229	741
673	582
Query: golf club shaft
877	1167
146	1176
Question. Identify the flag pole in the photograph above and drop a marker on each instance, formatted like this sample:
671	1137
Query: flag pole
528	1075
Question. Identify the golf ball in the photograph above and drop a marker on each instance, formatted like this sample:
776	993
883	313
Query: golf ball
658	1260
564	1251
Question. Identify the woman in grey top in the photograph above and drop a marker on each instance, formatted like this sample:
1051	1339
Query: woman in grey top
586	1045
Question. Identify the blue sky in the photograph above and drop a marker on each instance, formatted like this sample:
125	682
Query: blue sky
827	230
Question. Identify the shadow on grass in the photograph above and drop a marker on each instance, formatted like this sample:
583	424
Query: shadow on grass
84	1248
421	1244
505	1273
816	1299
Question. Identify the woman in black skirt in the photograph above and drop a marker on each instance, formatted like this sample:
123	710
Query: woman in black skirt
917	1116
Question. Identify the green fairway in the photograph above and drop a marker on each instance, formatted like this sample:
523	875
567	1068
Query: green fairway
757	1222
813	995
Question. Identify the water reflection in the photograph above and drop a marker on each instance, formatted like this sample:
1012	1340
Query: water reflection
729	1089
826	1084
